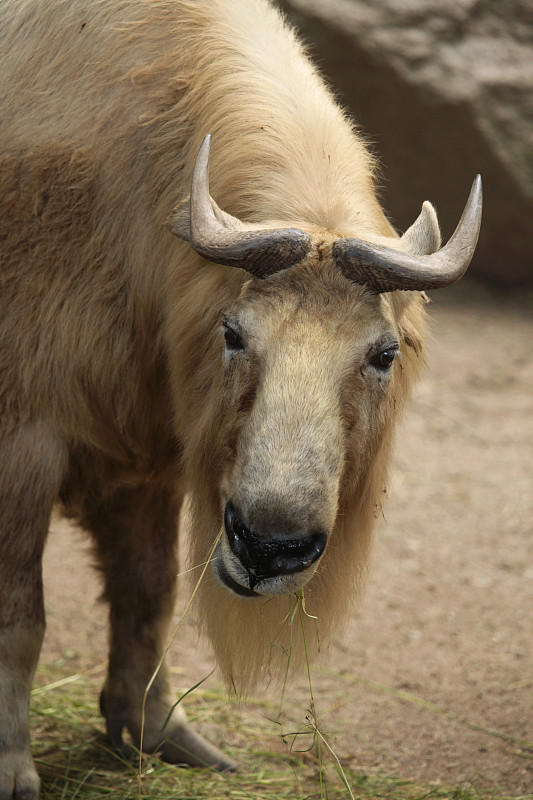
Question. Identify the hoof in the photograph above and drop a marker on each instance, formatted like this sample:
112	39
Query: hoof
185	746
177	743
18	777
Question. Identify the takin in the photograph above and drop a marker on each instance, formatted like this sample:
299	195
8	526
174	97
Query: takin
158	352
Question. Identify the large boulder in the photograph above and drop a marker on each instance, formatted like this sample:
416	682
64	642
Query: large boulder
443	89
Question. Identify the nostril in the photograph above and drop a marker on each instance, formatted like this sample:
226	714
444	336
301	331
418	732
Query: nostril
239	536
239	549
297	555
316	547
238	527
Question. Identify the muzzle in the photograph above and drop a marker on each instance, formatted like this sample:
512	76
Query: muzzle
250	564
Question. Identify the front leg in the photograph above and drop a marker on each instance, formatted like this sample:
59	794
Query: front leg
135	534
20	645
32	463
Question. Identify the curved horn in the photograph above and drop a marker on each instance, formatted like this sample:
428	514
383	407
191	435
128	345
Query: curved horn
225	239
385	269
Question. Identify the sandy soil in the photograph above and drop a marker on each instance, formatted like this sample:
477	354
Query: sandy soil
433	679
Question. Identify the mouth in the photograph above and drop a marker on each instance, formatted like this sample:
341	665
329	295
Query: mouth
225	578
230	573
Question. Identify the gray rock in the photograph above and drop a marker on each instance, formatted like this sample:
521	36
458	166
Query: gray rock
443	89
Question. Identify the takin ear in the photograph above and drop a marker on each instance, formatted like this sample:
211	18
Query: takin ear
421	239
179	222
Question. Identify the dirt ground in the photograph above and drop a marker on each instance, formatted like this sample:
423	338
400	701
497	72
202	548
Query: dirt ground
433	679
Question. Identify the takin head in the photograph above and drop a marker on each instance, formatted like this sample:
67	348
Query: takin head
317	362
311	368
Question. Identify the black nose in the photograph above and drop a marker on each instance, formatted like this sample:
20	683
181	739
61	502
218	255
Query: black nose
269	557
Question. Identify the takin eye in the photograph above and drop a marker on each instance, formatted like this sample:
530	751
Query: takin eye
232	338
383	360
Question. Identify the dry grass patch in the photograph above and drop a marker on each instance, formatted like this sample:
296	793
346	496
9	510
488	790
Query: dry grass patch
278	760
